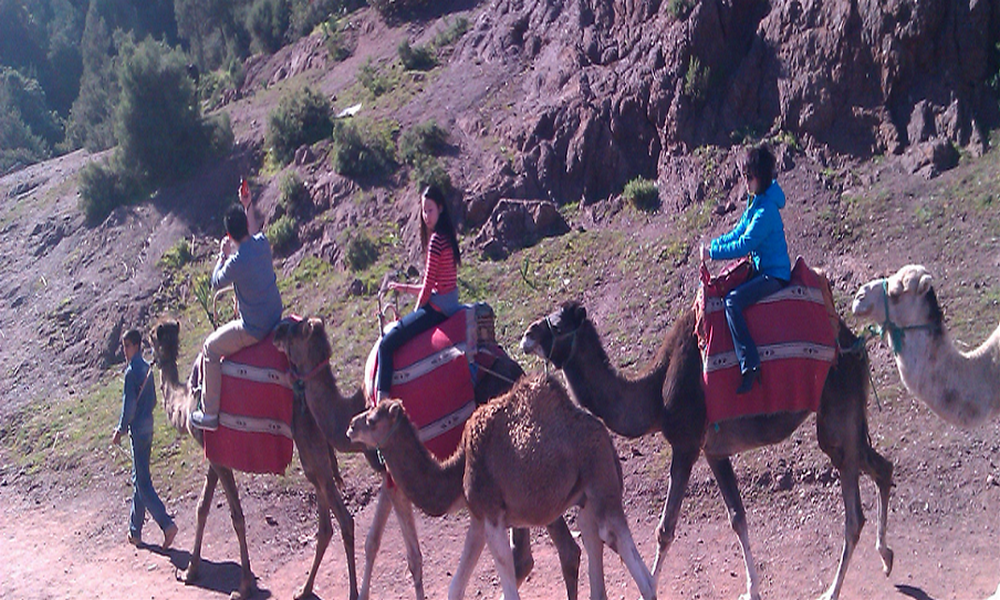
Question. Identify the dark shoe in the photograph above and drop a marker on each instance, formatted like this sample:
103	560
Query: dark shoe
135	540
168	535
748	378
200	420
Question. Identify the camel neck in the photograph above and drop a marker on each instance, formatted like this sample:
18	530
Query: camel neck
434	487
331	410
629	407
962	388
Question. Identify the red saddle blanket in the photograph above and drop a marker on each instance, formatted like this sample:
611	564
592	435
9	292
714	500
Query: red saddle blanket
794	330
255	412
434	375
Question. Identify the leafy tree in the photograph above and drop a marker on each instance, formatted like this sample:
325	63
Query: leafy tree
268	23
302	117
24	99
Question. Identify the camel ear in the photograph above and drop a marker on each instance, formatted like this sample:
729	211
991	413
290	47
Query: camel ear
395	410
580	314
924	284
315	324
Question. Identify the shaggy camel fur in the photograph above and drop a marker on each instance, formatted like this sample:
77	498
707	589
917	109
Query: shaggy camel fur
318	463
525	458
668	396
963	388
308	349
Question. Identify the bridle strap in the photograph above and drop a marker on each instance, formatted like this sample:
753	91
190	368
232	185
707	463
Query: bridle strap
312	373
895	332
558	337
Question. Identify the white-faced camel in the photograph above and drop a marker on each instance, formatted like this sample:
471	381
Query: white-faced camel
318	463
308	349
963	388
524	459
668	395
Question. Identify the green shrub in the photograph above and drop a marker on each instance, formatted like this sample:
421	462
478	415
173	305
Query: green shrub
361	154
424	139
642	194
176	256
398	8
451	33
421	58
428	172
680	9
335	41
696	80
362	252
282	233
105	186
372	79
302	117
293	197
267	23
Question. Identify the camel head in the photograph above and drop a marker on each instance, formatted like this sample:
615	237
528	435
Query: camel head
904	300
165	341
553	337
374	427
303	342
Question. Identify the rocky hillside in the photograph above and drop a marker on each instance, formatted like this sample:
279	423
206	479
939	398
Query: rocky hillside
542	100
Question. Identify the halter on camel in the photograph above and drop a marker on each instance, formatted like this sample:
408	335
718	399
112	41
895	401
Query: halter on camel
895	332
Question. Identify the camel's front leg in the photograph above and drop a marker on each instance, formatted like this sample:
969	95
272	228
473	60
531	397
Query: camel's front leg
880	470
722	468
498	540
383	505
854	521
404	514
680	473
247	583
475	539
616	534
591	535
204	506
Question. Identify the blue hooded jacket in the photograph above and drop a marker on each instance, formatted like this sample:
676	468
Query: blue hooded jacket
760	234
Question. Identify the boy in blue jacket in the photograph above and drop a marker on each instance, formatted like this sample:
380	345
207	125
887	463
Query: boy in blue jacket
759	234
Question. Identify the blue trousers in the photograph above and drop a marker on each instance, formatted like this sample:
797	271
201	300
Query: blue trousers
737	300
143	495
403	331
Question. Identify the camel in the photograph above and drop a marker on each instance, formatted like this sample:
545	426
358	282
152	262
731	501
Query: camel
963	388
524	459
960	387
318	463
668	395
308	349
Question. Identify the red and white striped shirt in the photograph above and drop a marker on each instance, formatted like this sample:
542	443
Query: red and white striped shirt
441	272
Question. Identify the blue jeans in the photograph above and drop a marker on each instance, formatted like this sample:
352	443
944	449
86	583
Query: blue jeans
143	495
403	331
737	300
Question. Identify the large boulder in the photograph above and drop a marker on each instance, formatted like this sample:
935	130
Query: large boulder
516	224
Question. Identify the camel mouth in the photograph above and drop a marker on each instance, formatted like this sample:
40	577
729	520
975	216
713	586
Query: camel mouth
530	346
860	309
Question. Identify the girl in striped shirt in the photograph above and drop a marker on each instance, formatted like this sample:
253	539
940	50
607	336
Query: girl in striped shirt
437	294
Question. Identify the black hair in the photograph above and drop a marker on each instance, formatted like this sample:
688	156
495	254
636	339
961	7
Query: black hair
760	163
444	225
133	337
236	223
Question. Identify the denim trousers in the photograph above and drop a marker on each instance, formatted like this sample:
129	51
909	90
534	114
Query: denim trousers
403	331
143	495
757	287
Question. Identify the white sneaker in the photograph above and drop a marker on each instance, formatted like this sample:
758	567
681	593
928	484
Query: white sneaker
202	421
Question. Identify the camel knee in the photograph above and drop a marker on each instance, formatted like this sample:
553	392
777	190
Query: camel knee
738	520
665	536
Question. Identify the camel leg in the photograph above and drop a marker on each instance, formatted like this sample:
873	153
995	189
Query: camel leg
404	514
324	532
854	521
680	473
383	505
497	539
595	550
204	506
475	539
616	534
880	470
569	555
247	583
520	542
722	468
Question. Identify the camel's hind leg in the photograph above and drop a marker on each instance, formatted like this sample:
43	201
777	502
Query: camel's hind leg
590	532
680	473
615	533
383	506
204	506
722	468
247	583
569	555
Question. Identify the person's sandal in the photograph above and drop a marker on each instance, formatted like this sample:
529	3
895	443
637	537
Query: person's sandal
168	535
135	540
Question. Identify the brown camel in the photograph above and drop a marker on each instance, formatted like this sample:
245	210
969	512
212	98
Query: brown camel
668	395
524	459
308	349
318	463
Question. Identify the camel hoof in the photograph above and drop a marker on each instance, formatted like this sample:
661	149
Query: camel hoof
886	554
303	592
190	576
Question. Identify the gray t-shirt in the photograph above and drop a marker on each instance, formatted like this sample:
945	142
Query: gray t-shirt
251	271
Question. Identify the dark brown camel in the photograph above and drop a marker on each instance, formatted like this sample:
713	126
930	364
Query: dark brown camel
308	349
668	396
525	458
318	463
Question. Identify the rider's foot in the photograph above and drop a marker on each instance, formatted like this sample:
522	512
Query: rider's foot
202	421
